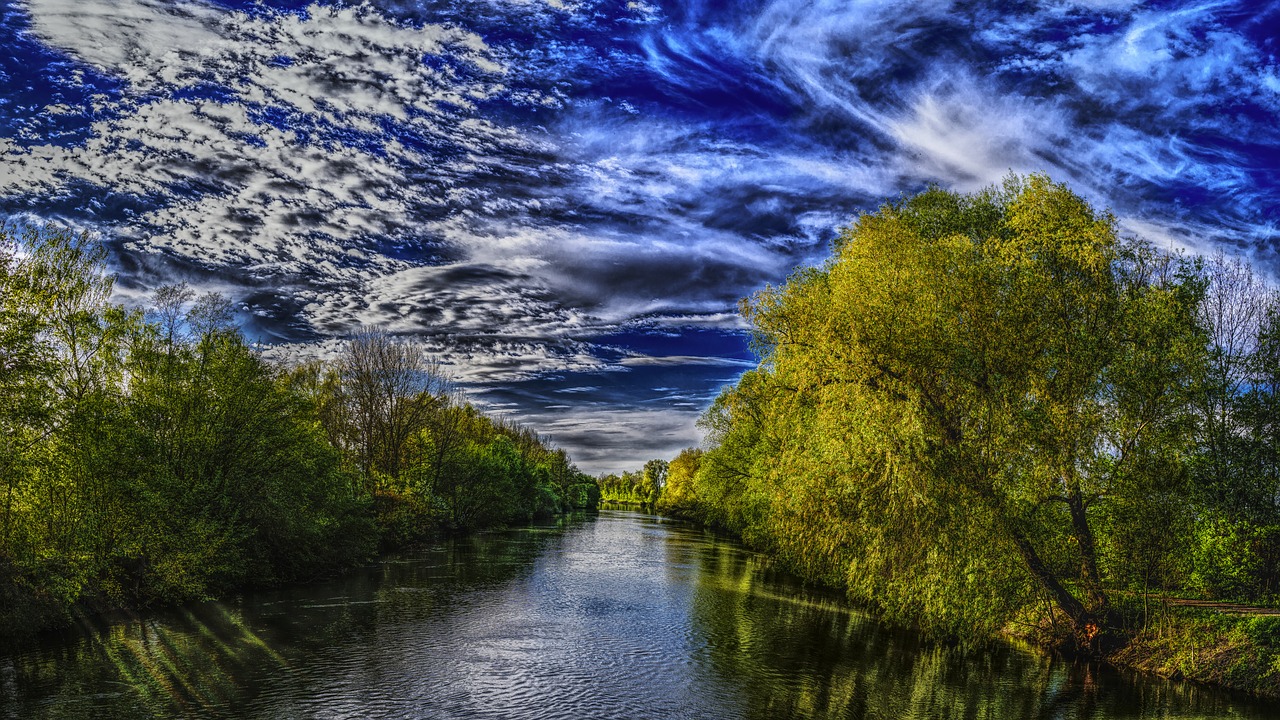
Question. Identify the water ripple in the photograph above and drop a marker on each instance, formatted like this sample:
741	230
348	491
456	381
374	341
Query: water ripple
621	617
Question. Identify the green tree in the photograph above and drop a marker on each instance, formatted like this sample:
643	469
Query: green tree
159	457
965	371
654	479
389	389
1234	479
679	497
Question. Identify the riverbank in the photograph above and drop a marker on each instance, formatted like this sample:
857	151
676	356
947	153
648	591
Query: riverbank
155	456
1238	652
30	607
1216	644
1199	642
991	412
609	504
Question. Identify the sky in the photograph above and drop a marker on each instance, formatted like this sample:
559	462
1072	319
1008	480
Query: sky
564	200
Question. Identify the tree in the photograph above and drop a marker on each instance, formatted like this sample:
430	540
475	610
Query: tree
679	495
225	472
25	364
61	343
483	486
1232	316
1236	548
161	457
968	364
1259	411
655	478
390	390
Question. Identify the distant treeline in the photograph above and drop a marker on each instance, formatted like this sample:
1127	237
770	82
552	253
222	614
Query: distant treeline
158	457
991	411
641	487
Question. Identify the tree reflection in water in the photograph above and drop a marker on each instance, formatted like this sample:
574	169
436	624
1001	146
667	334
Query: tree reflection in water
621	616
802	652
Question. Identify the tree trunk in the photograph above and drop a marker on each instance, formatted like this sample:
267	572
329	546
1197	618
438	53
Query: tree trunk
1066	602
1090	580
1086	624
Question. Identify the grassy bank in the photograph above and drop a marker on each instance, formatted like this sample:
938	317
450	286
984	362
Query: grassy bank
1240	652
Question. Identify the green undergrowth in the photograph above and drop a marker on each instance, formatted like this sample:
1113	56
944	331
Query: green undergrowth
1205	646
1240	652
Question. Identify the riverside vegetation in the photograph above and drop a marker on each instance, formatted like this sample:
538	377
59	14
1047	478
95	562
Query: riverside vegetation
991	414
158	457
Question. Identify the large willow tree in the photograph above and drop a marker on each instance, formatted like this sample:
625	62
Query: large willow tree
944	410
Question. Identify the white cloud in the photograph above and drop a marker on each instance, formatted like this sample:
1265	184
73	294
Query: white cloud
1168	62
475	363
268	199
606	440
970	137
683	361
351	163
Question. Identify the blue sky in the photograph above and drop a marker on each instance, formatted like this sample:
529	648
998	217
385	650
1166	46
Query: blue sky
564	199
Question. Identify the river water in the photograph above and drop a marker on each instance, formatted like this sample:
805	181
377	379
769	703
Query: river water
623	615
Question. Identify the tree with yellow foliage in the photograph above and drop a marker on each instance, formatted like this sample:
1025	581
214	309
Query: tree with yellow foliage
944	410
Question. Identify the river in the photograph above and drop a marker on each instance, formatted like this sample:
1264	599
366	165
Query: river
623	615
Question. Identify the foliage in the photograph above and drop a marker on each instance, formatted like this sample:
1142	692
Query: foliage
159	457
1236	651
1234	559
678	495
991	408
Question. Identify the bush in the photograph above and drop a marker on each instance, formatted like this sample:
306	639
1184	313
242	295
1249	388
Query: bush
1228	559
403	521
1265	630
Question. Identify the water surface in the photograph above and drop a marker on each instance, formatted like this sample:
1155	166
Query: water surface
621	616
